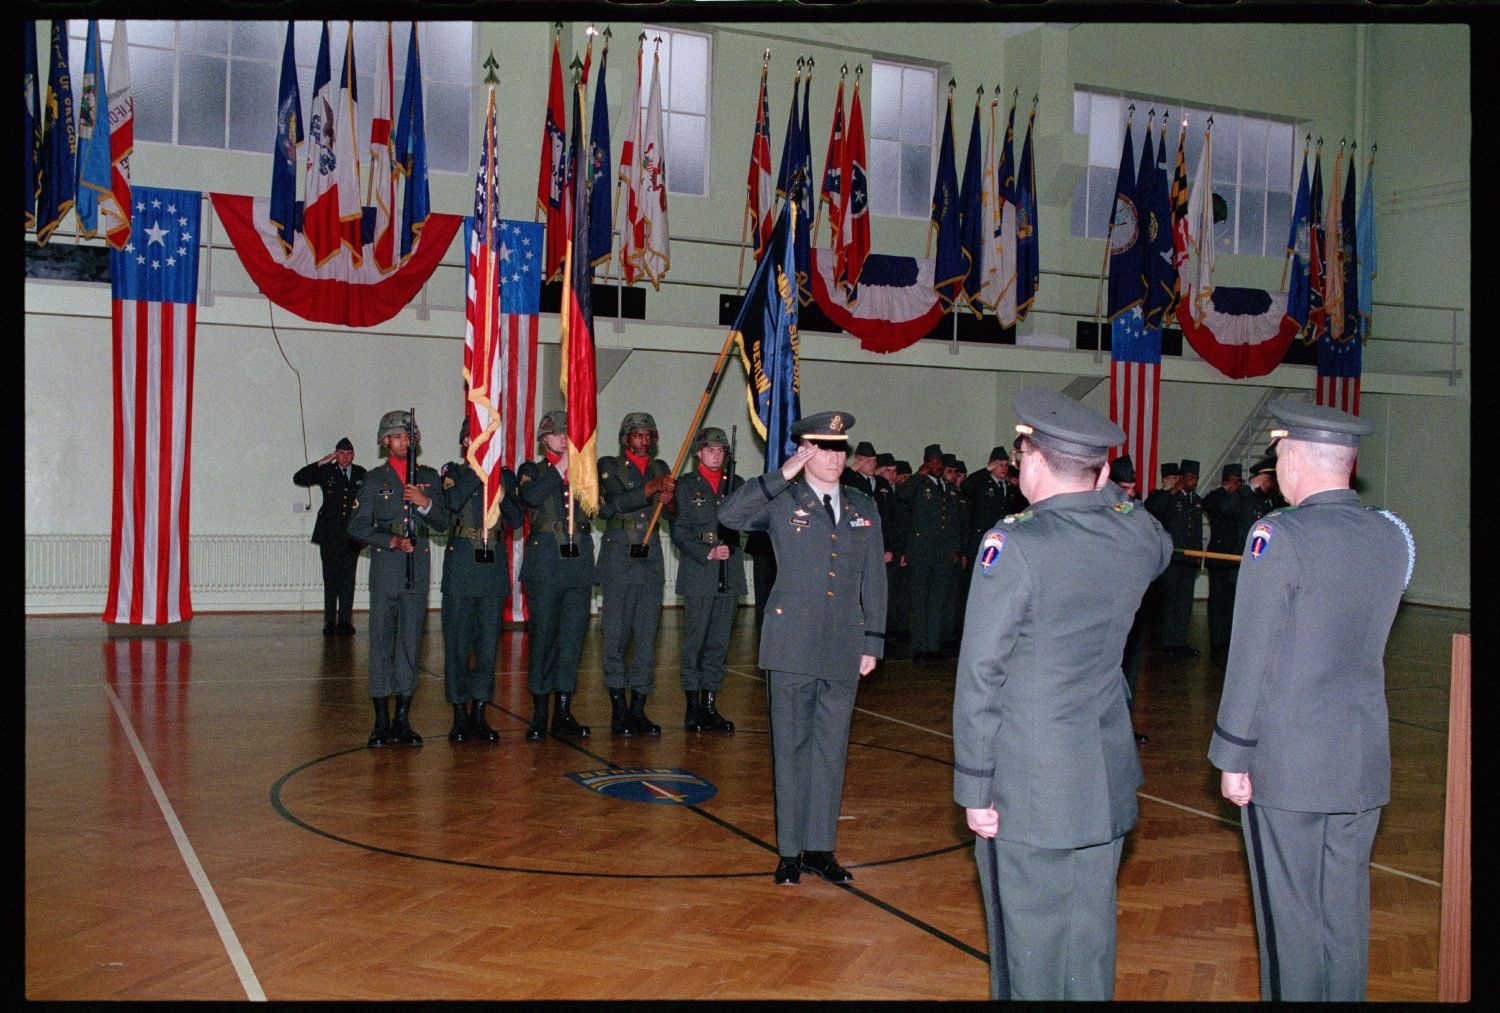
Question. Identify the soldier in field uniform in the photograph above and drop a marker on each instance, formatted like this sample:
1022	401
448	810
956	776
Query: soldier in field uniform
630	486
558	587
710	579
476	582
398	607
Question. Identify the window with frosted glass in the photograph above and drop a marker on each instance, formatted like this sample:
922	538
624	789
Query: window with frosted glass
214	84
902	120
685	73
1255	164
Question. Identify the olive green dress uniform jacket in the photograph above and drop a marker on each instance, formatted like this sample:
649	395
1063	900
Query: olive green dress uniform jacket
989	502
463	495
827	607
1041	730
696	530
380	513
1303	709
339	494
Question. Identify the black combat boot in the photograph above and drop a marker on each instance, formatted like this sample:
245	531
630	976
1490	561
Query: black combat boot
563	722
638	719
380	735
692	720
460	729
619	714
479	727
538	727
401	730
709	714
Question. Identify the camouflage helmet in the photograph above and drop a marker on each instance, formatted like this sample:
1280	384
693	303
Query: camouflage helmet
554	422
709	436
395	422
636	420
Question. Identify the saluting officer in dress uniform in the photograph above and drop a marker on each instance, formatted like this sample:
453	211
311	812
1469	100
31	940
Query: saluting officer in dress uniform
824	631
1302	735
339	478
710	553
629	487
476	581
397	612
1264	495
1044	760
558	588
1184	522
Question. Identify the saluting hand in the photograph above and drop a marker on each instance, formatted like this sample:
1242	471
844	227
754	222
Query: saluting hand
793	464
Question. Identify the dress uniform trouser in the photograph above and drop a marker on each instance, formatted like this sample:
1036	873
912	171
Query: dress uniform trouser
1177	604
339	562
629	615
470	622
1221	588
396	621
558	619
898	611
707	620
1310	881
809	745
1057	909
928	590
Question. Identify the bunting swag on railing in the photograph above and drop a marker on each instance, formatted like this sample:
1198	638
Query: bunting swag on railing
896	305
338	292
154	292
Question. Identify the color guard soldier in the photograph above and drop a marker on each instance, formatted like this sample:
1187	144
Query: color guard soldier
824	631
476	582
632	574
1302	736
558	587
710	579
398	607
339	478
1044	760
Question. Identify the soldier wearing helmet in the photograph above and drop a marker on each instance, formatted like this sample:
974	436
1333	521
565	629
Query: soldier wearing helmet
558	588
710	578
632	574
397	612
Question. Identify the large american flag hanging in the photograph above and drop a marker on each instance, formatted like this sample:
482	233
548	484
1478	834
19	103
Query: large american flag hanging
155	292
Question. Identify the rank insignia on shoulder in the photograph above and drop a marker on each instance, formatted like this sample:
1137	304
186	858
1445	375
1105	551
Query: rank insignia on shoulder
1123	507
1260	538
990	549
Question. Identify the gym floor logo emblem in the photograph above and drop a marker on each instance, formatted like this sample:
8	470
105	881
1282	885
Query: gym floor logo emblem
663	785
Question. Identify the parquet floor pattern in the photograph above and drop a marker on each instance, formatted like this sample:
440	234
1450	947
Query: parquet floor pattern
481	872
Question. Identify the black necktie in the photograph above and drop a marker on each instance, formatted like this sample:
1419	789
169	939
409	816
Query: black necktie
828	505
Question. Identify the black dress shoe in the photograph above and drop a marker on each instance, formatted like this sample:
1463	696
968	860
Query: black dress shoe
825	865
787	872
330	630
346	629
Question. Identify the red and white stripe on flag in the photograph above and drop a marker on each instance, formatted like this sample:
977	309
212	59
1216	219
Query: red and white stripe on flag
153	383
1135	405
517	365
1341	392
154	293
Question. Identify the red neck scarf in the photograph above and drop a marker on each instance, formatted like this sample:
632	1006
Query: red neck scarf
640	462
711	477
400	466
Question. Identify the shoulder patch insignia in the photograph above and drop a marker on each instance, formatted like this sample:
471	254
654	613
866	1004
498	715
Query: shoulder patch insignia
1260	538
448	482
1123	507
990	549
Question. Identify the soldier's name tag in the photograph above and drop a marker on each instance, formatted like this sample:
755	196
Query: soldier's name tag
1260	539
799	522
990	549
860	522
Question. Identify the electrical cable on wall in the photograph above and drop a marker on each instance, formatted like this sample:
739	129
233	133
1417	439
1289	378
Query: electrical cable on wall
301	411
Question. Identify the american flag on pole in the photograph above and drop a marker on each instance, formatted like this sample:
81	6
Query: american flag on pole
155	293
1135	350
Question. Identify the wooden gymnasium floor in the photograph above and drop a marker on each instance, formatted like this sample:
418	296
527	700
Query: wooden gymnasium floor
203	821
